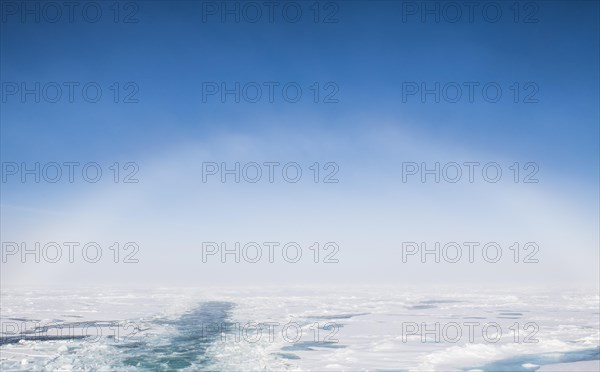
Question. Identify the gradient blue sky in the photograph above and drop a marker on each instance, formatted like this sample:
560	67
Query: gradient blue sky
368	53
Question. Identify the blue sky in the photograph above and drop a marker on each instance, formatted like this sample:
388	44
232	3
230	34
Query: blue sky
368	53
